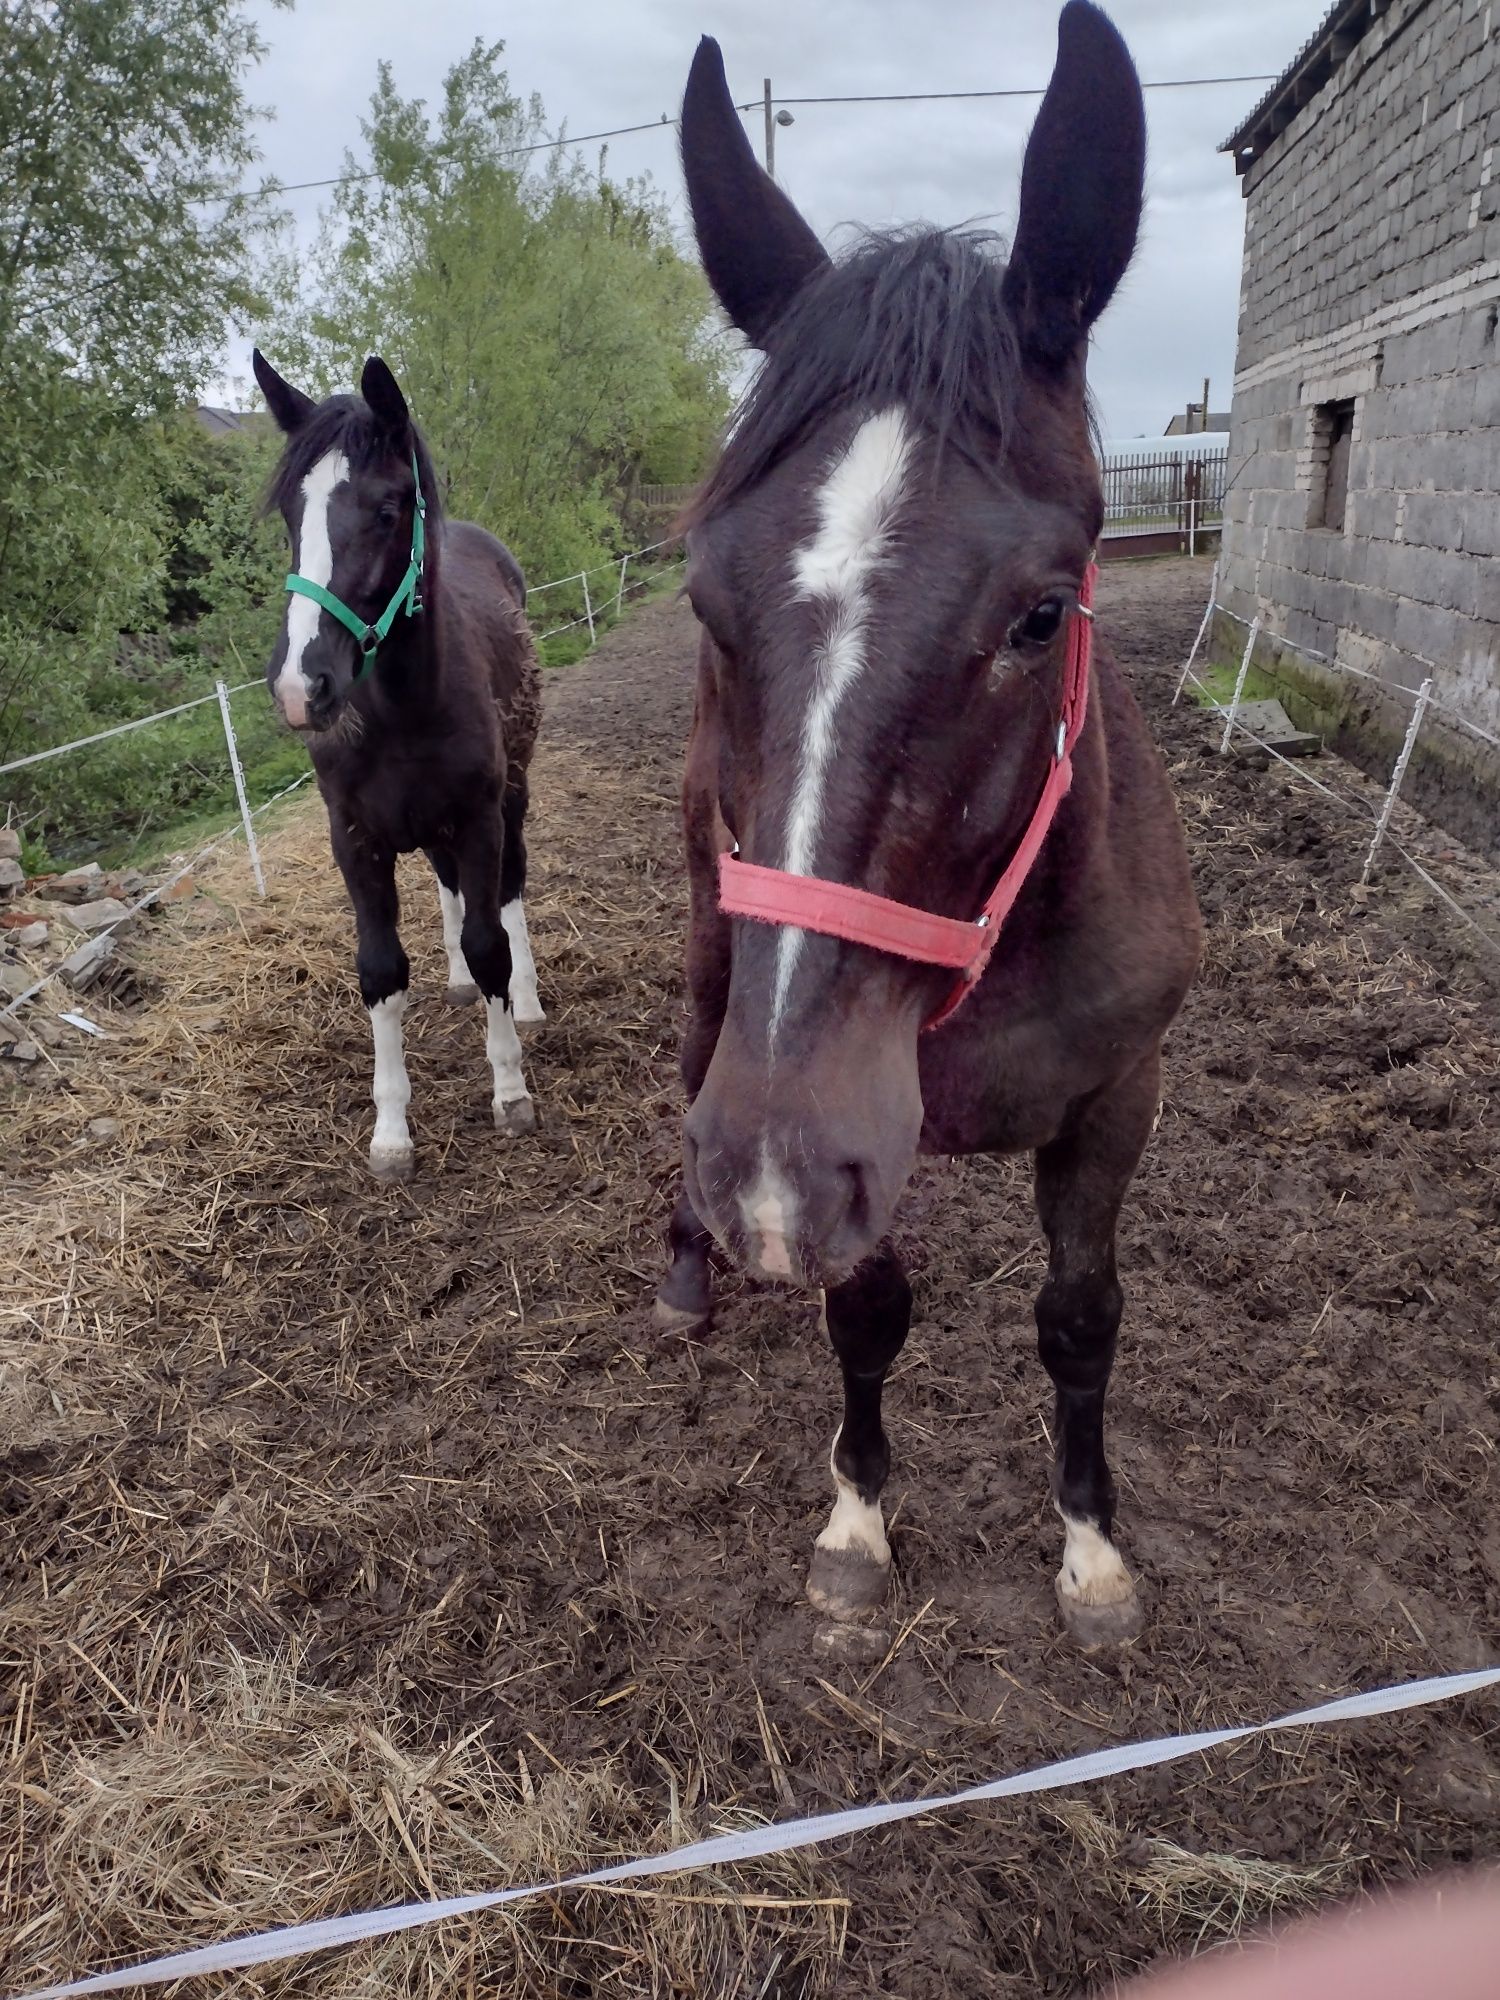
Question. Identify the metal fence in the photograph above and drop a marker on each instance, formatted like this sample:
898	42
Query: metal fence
1147	493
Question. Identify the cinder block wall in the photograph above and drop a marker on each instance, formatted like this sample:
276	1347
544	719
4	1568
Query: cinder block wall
1372	276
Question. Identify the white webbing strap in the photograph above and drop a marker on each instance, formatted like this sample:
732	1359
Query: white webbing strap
266	1947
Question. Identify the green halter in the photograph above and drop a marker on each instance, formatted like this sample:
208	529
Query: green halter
408	596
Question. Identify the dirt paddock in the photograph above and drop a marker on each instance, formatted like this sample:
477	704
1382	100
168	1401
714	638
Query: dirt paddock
362	1543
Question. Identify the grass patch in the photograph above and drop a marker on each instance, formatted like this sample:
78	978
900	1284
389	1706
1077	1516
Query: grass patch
1218	679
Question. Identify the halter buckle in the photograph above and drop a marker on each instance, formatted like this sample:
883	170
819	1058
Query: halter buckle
1061	747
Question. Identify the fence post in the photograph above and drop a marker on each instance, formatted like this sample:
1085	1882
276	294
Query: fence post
1239	685
1424	695
239	788
588	607
1203	624
620	593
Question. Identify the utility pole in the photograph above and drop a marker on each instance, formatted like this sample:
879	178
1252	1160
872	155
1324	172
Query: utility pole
770	134
1204	424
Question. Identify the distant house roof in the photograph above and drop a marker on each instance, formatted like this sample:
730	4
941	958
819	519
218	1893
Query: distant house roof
1181	425
217	422
1342	27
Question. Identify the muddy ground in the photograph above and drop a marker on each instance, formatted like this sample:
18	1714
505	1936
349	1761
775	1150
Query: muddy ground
360	1543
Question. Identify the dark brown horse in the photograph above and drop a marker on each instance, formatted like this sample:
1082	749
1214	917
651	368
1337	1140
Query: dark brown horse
405	659
888	565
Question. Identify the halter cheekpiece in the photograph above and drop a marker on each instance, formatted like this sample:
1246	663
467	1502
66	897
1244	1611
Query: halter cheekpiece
834	909
408	597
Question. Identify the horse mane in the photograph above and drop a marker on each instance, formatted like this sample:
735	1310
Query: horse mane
349	425
914	316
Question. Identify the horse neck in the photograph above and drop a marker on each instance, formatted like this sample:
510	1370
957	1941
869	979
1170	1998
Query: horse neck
409	666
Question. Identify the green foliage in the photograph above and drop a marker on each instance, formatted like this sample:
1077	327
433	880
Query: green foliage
556	346
124	256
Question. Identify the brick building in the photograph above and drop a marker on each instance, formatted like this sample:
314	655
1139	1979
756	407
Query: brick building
1362	520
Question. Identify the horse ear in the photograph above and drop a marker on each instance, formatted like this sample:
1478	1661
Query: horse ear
757	250
1081	188
287	405
382	392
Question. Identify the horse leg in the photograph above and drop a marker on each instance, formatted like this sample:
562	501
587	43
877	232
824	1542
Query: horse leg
486	950
461	988
867	1318
1081	1178
383	978
525	1005
685	1298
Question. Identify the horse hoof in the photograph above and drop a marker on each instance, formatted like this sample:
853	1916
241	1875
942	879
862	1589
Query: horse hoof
529	1012
387	1164
461	996
679	1320
515	1118
845	1585
1092	1627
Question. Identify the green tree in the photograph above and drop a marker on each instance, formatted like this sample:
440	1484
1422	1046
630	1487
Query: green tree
557	347
125	254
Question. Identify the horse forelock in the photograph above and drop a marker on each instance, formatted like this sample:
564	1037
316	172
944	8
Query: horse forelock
345	424
912	318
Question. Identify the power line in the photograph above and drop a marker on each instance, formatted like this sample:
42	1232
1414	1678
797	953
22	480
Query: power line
513	153
664	123
948	96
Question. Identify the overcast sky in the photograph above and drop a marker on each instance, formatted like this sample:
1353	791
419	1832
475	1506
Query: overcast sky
598	63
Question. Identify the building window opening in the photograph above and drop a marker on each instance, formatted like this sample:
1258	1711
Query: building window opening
1333	434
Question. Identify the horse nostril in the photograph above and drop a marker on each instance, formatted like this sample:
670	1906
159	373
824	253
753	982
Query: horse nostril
857	1209
320	688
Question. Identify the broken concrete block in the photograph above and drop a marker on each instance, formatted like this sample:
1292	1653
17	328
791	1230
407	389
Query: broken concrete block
15	979
31	937
25	1052
12	878
79	885
10	844
82	968
98	915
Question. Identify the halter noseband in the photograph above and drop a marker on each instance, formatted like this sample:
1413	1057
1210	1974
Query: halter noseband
834	909
408	597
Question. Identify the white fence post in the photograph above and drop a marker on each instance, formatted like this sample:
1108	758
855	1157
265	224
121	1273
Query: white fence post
1424	695
620	593
588	607
239	789
1239	685
1208	612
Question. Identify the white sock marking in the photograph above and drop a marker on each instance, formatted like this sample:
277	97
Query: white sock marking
1092	1571
524	1003
770	1214
855	1526
452	903
392	1087
503	1047
315	562
857	508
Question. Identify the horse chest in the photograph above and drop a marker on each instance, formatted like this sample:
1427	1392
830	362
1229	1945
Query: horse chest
1008	1089
406	801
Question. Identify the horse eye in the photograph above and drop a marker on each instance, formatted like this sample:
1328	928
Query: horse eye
389	514
1040	625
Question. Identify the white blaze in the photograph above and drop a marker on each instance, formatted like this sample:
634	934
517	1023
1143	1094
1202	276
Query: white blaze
315	562
856	511
770	1215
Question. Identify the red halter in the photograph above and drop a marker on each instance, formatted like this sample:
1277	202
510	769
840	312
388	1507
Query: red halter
771	896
